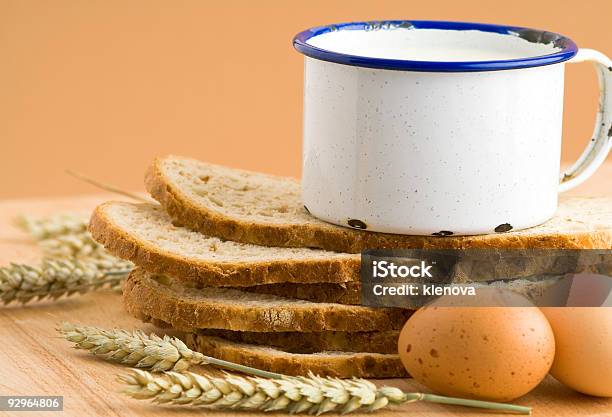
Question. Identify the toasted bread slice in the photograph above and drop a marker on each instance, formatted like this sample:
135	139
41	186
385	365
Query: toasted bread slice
332	363
150	297
324	292
144	234
295	342
267	210
533	288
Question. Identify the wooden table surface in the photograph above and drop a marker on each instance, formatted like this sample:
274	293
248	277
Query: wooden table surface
35	361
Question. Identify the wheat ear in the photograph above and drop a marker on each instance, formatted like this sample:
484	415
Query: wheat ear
57	277
312	395
53	226
71	245
61	235
141	350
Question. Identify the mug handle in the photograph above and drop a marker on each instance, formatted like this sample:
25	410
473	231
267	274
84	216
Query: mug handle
601	141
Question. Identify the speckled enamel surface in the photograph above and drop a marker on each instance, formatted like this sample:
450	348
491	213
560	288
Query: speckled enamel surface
431	153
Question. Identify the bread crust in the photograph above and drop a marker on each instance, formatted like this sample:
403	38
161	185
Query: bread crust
573	226
187	308
209	273
333	364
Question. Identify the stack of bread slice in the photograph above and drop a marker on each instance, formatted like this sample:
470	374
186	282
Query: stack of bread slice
234	261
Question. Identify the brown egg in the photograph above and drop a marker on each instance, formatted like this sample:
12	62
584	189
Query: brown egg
492	353
583	358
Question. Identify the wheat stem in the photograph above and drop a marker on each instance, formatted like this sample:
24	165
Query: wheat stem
107	187
432	398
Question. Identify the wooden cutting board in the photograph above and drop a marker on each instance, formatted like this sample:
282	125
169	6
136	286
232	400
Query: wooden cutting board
35	361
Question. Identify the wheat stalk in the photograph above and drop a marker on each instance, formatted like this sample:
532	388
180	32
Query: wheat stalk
108	187
267	391
138	349
71	245
57	277
312	394
53	226
61	235
74	263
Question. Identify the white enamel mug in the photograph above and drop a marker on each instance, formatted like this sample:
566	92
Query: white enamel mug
440	128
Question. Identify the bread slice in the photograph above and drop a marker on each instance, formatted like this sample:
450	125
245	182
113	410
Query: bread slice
295	342
534	288
324	292
150	297
267	210
334	364
145	235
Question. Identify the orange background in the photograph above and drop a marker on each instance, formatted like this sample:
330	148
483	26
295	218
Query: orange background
101	87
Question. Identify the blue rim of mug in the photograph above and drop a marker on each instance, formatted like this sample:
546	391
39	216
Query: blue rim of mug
567	47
